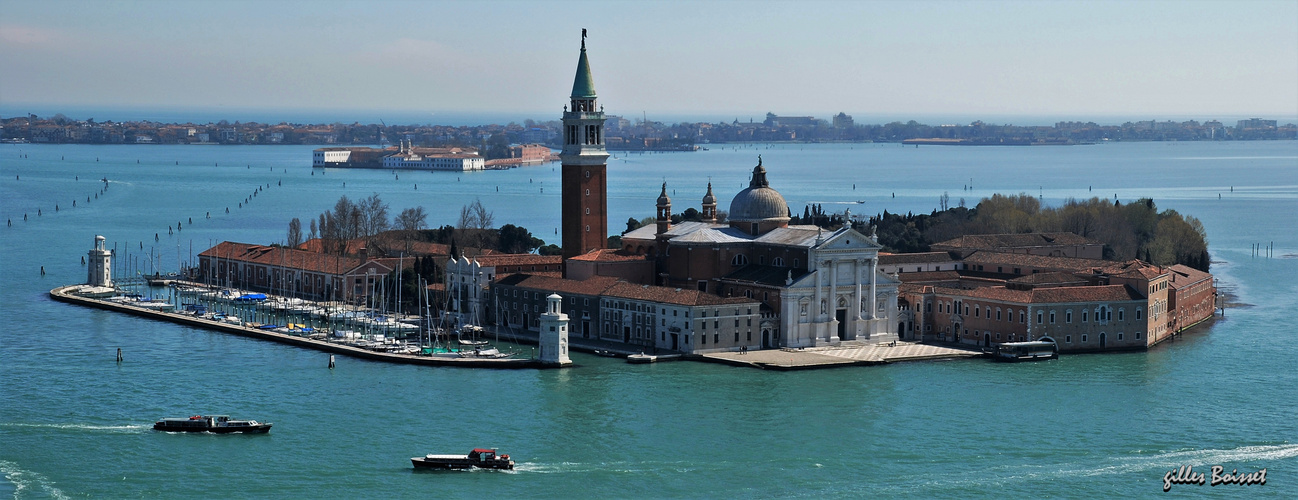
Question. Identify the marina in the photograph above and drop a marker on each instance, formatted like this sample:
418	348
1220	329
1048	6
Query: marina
378	348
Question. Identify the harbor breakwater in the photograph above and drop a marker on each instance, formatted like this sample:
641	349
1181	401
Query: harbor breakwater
63	294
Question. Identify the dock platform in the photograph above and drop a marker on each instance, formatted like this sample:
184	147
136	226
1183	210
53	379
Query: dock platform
63	294
845	354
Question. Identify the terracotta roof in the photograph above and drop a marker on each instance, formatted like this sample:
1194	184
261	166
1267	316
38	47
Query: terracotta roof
668	295
291	258
1064	294
928	276
1134	269
1105	293
608	255
518	259
593	286
986	257
915	258
1184	276
986	241
1049	278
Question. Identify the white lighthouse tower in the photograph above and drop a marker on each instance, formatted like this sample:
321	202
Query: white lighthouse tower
554	333
98	272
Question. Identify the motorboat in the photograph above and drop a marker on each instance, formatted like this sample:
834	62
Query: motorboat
219	424
482	458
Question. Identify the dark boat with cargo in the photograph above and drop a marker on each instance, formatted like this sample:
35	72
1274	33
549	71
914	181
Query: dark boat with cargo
219	424
482	458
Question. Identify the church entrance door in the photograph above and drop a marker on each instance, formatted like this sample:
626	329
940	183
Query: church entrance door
841	316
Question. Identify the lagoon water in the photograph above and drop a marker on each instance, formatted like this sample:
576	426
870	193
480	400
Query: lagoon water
74	423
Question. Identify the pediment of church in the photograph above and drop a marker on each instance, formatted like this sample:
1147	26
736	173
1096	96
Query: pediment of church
848	239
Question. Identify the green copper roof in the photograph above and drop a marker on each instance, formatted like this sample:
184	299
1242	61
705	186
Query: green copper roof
583	85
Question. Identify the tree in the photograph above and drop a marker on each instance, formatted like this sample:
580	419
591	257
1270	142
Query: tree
412	219
475	216
295	233
314	230
550	249
514	239
373	216
632	225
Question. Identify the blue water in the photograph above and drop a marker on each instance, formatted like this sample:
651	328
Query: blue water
73	423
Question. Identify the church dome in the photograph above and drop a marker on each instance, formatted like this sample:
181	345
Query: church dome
759	201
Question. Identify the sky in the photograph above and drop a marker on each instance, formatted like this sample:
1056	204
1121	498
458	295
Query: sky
714	60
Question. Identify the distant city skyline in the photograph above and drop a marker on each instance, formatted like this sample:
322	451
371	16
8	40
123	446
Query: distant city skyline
943	61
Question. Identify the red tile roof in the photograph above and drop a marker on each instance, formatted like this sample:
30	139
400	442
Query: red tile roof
987	257
1184	276
915	258
668	295
593	286
608	255
518	259
986	241
290	258
1065	294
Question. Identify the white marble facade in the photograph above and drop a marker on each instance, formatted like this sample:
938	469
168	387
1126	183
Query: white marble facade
843	298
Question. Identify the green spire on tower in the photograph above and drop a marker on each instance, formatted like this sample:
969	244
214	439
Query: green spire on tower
583	85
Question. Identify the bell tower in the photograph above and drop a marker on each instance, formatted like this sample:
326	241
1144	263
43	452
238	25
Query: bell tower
585	177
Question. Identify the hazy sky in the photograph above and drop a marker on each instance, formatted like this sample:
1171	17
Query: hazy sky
969	58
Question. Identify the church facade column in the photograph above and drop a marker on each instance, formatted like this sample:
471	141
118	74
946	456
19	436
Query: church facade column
874	290
832	334
815	305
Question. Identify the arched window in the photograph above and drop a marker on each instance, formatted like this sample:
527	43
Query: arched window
739	260
778	262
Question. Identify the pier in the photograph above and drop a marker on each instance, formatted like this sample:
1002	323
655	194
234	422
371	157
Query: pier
845	354
65	294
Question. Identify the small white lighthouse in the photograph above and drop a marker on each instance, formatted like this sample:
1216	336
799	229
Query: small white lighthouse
98	272
554	333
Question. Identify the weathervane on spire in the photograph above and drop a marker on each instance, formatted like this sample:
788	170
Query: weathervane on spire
583	38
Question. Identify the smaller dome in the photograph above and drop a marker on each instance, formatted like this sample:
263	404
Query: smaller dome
709	199
663	200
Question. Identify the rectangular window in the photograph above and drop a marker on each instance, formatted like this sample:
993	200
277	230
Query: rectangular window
1119	335
1068	316
736	322
716	338
1137	315
1084	315
1040	317
998	315
1052	317
1083	337
1022	317
1137	335
1068	339
736	335
976	311
1121	313
705	339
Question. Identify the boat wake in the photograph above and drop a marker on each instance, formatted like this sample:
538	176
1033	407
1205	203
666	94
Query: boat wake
614	467
124	429
28	484
1138	463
